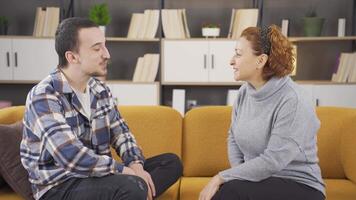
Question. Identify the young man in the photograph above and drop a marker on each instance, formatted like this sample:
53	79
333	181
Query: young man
70	122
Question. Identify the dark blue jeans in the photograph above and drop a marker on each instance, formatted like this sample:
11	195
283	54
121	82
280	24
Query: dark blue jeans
165	170
269	189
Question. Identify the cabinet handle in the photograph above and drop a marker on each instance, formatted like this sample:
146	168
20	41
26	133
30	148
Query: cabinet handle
212	61
317	102
8	59
204	61
15	59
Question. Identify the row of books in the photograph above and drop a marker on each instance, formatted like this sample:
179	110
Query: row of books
174	23
146	68
240	20
346	68
144	25
46	21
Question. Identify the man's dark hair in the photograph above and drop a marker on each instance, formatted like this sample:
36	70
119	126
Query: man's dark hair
67	36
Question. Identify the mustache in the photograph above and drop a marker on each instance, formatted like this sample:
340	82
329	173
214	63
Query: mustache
108	61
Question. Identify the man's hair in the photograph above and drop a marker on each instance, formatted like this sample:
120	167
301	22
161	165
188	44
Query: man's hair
67	36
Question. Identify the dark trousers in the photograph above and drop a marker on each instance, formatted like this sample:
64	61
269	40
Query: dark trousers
268	189
165	170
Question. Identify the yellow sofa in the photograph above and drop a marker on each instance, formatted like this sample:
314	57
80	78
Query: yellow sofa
200	140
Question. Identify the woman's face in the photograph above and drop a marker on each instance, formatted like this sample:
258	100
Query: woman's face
244	62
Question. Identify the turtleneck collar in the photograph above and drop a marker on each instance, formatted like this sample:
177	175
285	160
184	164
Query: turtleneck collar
269	88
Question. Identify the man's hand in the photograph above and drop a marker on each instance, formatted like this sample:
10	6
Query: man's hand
128	171
211	188
139	171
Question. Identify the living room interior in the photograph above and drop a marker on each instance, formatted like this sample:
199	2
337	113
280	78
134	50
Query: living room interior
173	81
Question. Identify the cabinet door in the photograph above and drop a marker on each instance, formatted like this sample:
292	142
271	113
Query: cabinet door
220	53
5	59
335	95
34	59
135	94
185	61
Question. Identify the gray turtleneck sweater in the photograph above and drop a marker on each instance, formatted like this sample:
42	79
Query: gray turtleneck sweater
273	133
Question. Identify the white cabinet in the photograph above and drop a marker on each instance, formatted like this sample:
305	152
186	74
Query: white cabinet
25	59
197	61
128	93
339	95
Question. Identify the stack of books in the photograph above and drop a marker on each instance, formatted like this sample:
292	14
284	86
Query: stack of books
144	25
345	70
240	20
46	21
146	68
174	23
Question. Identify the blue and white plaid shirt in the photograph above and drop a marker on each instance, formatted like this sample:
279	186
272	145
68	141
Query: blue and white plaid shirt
59	142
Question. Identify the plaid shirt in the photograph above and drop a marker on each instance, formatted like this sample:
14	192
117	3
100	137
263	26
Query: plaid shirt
59	142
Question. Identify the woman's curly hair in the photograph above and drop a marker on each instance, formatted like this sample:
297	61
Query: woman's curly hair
280	58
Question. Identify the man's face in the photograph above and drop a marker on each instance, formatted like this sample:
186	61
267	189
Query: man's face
93	54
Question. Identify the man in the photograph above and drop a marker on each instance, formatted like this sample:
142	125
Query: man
70	122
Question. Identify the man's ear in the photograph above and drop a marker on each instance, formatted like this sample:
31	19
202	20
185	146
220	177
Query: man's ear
262	60
72	57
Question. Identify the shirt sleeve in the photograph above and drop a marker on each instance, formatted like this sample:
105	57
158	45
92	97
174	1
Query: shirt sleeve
235	155
293	122
46	121
122	140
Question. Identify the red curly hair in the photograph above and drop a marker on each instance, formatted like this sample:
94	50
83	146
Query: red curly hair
280	58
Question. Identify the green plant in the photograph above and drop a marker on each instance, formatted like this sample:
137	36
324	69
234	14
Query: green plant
211	25
311	12
4	20
99	14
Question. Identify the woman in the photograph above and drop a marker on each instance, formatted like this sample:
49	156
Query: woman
272	139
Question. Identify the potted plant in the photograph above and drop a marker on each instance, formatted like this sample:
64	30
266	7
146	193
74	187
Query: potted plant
312	24
99	14
4	23
210	30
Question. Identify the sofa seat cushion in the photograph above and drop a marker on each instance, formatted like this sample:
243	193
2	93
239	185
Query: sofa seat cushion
171	193
7	193
190	187
340	189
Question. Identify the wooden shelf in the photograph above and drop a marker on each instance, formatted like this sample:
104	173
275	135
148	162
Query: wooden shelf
18	82
129	82
316	39
204	83
23	37
124	39
323	82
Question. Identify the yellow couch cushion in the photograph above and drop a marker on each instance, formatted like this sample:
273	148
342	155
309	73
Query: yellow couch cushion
204	140
190	187
157	129
11	114
336	142
340	189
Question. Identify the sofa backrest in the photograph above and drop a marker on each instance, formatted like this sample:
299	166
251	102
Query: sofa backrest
157	129
11	114
204	140
205	133
337	142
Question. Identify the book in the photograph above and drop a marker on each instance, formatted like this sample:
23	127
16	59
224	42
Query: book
285	23
231	97
244	18
174	23
232	21
138	70
135	23
178	100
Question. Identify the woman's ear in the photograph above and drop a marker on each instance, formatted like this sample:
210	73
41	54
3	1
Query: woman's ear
261	60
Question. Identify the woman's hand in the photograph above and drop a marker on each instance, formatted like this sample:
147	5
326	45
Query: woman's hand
211	188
